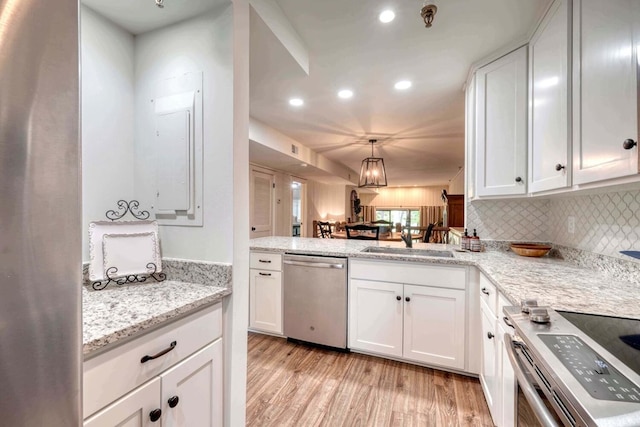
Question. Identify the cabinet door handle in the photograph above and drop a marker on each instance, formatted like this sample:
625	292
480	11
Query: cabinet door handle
518	179
559	167
484	291
398	297
155	415
173	401
146	358
265	261
253	229
407	299
628	144
490	335
265	274
506	321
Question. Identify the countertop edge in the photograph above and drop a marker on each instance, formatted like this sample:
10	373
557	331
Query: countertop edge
100	345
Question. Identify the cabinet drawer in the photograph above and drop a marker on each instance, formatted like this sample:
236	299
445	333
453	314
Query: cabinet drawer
110	375
488	294
266	261
409	273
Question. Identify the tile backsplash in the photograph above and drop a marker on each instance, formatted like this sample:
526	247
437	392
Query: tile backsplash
507	219
604	223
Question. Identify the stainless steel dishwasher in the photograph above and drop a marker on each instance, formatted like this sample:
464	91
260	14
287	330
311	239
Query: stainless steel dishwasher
315	299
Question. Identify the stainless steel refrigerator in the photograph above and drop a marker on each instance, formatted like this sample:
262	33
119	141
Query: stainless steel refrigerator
40	214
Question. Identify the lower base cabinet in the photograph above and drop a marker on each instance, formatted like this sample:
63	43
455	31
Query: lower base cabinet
146	383
188	394
420	323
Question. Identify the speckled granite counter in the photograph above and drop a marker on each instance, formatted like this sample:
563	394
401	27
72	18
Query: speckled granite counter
119	312
554	282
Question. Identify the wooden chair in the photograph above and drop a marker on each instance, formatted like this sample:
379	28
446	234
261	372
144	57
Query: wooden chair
427	233
325	229
363	232
441	235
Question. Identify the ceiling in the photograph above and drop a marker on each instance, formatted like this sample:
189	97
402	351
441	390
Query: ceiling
140	16
420	130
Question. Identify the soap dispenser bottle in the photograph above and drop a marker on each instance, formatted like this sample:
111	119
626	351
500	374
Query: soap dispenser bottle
474	240
464	241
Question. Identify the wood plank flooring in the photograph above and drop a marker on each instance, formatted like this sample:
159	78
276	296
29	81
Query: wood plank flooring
298	385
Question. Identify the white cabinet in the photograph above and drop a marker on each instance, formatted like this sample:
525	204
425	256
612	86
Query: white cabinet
192	390
606	39
496	374
549	49
422	319
375	316
470	144
171	377
434	325
501	126
488	370
133	410
265	292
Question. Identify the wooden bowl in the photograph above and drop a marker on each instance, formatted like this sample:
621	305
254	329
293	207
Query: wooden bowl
530	249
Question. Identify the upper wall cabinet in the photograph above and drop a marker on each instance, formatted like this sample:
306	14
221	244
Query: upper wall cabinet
469	135
501	126
605	89
549	107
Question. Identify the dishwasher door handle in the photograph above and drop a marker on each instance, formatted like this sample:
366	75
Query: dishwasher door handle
313	264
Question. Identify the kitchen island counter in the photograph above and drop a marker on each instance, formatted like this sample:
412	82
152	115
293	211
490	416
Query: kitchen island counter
552	281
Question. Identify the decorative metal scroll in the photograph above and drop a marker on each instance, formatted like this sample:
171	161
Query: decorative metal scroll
124	207
112	277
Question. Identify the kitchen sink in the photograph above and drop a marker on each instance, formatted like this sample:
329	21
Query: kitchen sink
408	251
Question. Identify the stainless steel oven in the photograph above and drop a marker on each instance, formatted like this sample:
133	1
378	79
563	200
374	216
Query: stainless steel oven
574	369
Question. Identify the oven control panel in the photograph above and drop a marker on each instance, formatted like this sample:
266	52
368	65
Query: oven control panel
601	380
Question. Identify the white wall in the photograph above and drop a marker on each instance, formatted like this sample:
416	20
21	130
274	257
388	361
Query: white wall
200	44
398	197
324	202
107	118
456	184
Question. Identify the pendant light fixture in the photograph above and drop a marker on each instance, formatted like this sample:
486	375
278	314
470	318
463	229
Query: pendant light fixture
372	172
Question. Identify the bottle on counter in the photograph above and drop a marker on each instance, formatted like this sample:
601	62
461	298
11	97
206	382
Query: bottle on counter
464	241
474	242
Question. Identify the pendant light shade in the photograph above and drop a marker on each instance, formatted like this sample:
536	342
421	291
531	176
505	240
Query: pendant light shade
372	172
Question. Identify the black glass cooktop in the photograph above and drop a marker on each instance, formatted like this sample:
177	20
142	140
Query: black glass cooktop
619	336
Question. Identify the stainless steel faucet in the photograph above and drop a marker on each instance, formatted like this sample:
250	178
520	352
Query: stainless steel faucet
407	239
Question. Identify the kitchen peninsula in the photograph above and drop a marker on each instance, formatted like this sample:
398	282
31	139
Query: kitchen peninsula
553	281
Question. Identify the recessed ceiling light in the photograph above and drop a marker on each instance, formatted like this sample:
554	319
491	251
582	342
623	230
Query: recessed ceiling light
345	94
296	102
403	84
386	16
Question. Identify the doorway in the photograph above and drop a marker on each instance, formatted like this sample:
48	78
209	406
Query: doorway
298	207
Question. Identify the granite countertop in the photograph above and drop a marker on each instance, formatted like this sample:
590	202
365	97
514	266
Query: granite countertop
552	281
120	312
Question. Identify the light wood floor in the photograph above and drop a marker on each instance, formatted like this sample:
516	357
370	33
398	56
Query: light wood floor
295	385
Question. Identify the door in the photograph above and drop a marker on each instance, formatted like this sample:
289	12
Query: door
298	207
434	325
265	297
192	390
261	200
605	89
549	166
133	410
501	138
375	317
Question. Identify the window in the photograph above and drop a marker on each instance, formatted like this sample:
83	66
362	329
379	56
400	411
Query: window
406	217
